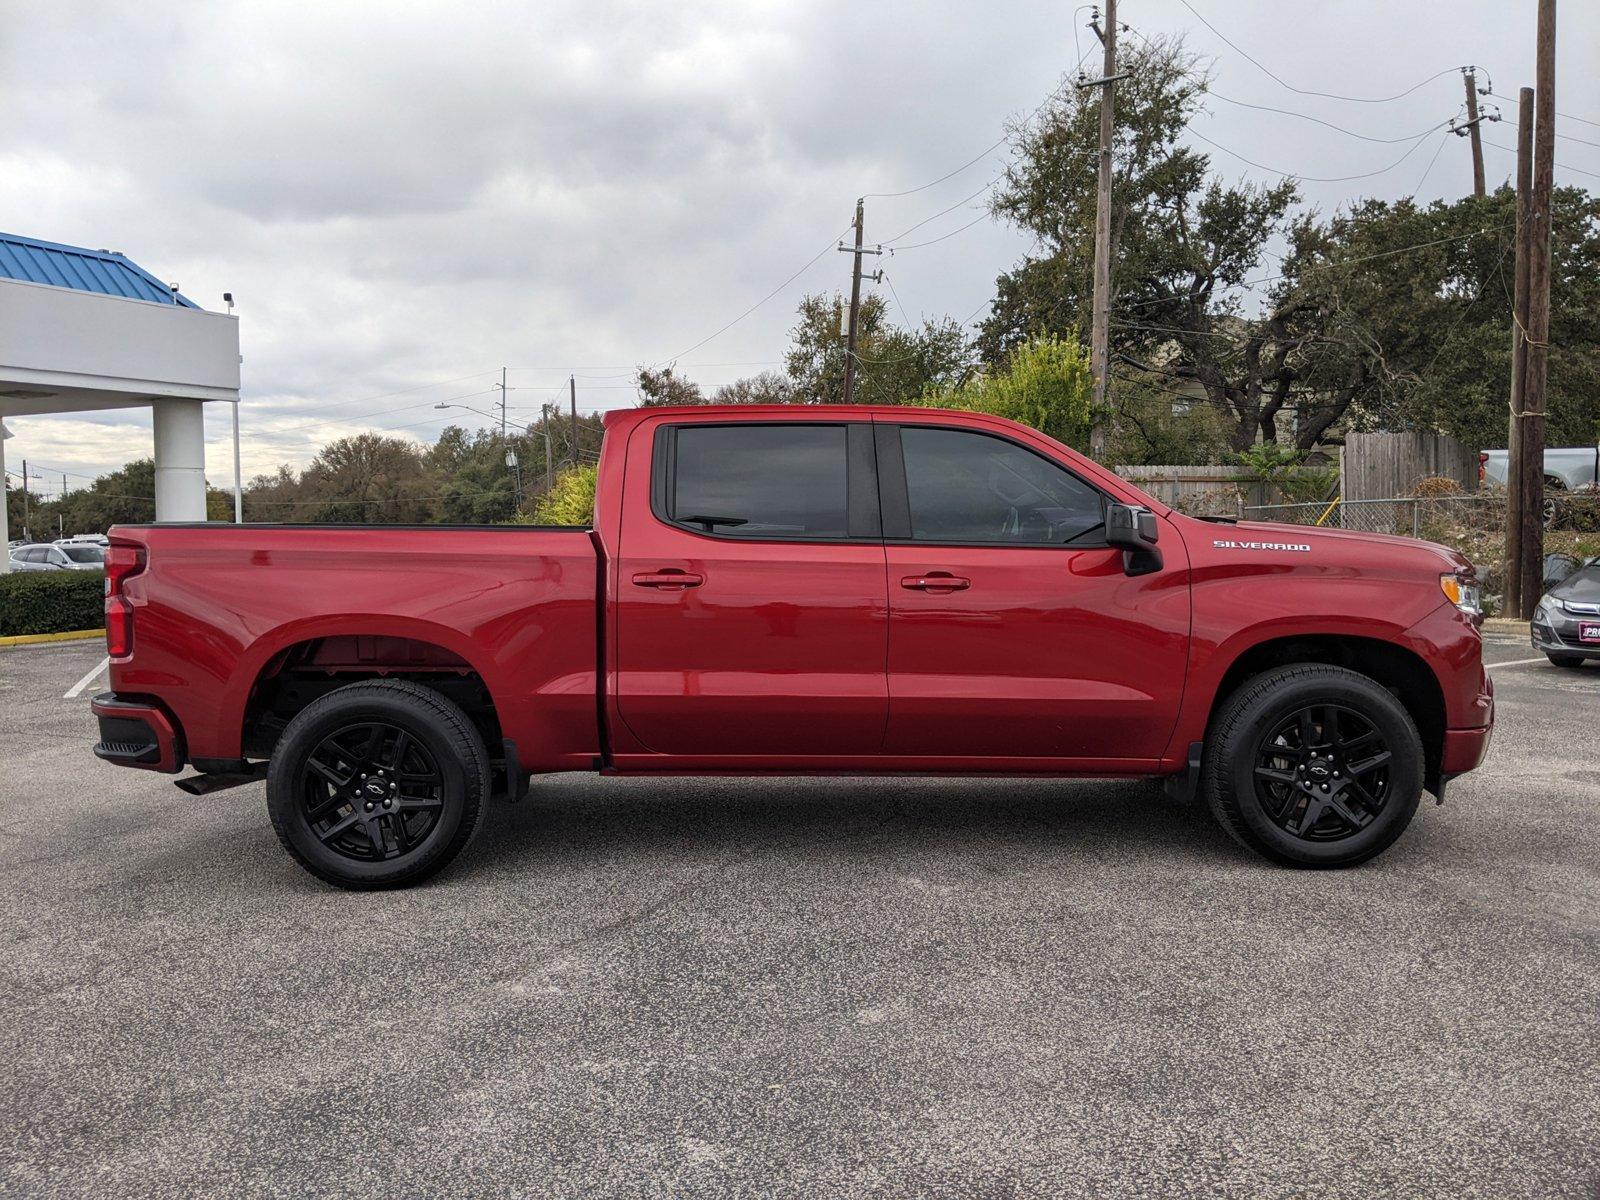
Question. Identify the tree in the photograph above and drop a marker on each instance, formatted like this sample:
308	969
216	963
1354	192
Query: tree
1183	246
1045	383
663	385
895	366
571	501
769	387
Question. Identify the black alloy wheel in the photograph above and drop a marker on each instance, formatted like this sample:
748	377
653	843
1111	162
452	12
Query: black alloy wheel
1313	765
377	784
372	791
1322	773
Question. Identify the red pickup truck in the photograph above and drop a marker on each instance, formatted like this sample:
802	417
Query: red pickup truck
798	590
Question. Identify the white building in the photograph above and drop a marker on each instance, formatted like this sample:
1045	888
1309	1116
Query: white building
88	329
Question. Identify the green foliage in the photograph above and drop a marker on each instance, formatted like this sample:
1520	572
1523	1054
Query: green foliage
1161	426
51	601
1283	467
894	366
1045	383
570	502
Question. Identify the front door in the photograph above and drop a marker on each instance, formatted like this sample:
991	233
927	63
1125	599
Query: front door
1014	631
751	605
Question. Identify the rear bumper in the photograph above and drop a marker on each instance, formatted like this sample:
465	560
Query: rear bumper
137	733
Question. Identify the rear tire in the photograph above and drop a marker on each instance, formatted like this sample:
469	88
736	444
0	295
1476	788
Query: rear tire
1313	766
1565	660
378	784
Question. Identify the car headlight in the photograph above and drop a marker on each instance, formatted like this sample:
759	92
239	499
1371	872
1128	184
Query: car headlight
1463	593
1541	611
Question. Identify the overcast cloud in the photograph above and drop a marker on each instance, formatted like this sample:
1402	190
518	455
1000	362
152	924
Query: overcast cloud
411	195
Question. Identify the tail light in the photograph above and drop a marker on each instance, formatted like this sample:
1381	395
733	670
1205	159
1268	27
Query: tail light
123	562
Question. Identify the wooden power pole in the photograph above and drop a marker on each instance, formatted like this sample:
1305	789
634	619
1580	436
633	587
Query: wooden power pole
572	385
853	331
1519	355
1531	442
1474	133
1099	334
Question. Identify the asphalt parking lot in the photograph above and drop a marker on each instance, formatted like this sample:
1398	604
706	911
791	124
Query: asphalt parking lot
801	988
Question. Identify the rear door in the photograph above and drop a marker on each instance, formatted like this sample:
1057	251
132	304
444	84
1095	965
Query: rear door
1014	632
751	605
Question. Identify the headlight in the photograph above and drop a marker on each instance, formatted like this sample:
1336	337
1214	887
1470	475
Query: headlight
1463	593
1541	611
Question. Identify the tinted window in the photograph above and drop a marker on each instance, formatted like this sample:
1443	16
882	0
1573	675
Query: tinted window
773	480
967	487
31	554
84	554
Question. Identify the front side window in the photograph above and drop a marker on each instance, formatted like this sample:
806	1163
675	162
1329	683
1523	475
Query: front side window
762	481
970	487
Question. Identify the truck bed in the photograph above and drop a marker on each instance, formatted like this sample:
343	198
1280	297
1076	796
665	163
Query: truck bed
228	617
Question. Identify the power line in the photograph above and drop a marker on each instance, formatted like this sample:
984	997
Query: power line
981	217
809	264
1319	178
1562	165
1281	82
965	200
1319	121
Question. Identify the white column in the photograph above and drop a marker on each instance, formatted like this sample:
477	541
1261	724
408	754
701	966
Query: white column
5	516
180	436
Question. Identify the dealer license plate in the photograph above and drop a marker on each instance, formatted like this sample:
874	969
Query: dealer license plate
1589	631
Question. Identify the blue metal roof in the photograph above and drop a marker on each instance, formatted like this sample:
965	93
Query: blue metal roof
103	271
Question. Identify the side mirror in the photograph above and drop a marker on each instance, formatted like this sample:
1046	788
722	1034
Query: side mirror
1135	532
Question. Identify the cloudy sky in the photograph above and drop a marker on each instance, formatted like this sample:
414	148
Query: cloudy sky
403	197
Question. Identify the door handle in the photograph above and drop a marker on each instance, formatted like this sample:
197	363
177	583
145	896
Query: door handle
936	581
668	579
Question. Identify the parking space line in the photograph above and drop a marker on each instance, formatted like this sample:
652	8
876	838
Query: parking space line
76	689
1517	662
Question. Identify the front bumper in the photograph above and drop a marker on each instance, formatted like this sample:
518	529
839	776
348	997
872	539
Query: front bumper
1558	634
137	733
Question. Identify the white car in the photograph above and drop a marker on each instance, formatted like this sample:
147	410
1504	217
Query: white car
1569	467
81	557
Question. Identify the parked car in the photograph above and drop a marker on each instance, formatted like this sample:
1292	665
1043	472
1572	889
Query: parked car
84	539
786	590
1566	623
48	557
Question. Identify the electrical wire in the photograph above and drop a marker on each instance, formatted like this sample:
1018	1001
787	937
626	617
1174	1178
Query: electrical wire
981	217
1318	178
1304	91
1562	165
1319	121
965	200
832	242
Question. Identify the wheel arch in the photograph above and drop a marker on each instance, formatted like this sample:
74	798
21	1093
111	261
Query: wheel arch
328	654
1397	668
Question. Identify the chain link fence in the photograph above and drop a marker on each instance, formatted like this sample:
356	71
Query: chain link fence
1449	519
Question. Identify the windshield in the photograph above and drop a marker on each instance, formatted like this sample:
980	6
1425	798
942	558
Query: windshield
84	554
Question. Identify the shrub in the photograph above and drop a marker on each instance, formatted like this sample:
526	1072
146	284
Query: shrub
51	601
1045	384
569	502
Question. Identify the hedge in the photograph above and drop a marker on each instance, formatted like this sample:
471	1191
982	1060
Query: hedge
51	601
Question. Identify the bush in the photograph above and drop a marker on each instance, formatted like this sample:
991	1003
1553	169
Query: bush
1046	384
51	601
569	502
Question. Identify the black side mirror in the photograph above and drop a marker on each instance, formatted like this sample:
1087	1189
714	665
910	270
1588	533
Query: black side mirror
1134	531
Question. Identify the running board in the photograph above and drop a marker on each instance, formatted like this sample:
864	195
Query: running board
205	783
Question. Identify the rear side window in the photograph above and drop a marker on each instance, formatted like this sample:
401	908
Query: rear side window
761	481
972	488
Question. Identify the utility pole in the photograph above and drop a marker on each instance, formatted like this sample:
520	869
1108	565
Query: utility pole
572	384
1100	329
1473	122
26	532
1519	355
1531	444
854	331
549	453
505	445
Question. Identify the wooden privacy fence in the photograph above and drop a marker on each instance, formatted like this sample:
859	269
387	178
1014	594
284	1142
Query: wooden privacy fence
1378	466
1209	489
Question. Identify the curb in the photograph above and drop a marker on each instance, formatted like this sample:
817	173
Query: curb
39	639
1505	625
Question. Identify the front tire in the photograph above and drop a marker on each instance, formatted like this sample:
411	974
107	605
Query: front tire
377	784
1313	766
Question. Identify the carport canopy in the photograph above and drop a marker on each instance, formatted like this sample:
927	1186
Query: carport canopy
83	330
